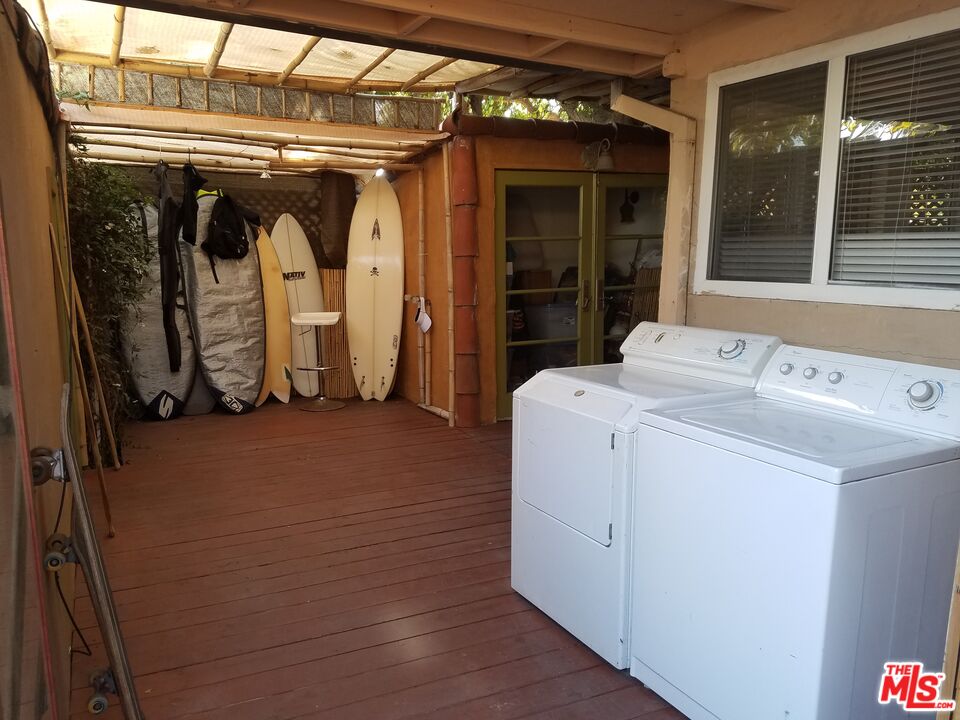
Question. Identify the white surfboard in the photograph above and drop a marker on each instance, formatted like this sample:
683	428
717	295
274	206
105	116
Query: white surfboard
374	289
304	294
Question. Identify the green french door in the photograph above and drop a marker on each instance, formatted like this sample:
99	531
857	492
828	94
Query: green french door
569	285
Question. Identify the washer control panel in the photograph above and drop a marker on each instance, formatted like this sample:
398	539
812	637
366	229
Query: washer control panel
729	356
919	396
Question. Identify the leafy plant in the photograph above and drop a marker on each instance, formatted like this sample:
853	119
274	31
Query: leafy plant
81	97
110	257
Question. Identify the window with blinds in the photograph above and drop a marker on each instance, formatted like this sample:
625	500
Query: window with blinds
769	141
898	195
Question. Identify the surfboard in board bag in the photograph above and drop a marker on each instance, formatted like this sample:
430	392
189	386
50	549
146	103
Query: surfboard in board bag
225	303
162	391
301	279
374	289
277	373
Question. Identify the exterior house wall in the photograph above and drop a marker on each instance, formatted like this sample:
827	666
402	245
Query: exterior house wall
926	336
492	153
28	172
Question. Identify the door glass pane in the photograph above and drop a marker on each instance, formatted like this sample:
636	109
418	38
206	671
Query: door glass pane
542	280
632	252
542	211
524	361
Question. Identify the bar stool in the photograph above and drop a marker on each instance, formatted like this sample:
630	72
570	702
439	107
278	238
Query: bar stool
318	320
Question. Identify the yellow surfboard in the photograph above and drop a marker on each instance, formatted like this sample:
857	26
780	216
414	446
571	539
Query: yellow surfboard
277	373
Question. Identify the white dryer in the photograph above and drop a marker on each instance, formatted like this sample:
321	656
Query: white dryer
788	545
574	432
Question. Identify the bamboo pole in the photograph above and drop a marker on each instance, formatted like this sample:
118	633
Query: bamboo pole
451	357
421	285
276	138
300	57
45	30
219	45
93	445
119	15
359	153
424	74
95	371
367	70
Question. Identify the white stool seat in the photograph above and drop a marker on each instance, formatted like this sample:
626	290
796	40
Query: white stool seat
315	318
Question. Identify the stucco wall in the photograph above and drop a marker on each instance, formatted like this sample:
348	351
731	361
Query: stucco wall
909	334
493	153
26	169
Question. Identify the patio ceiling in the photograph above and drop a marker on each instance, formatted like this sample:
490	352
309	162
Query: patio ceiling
563	49
623	38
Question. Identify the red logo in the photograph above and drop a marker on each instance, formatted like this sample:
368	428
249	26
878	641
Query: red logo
911	687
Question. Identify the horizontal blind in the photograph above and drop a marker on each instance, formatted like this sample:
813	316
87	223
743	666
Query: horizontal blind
768	163
898	196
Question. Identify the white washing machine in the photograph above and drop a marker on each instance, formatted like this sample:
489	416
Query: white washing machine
573	457
789	545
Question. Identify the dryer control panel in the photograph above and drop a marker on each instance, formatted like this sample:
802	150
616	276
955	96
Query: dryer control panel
922	397
715	354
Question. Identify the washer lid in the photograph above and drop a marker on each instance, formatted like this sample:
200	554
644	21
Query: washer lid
821	444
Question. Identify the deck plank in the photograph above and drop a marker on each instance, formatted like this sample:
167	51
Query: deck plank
333	565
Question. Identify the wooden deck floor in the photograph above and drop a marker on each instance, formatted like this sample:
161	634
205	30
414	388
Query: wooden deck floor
334	565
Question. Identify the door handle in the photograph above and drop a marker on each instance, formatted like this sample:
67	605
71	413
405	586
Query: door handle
585	294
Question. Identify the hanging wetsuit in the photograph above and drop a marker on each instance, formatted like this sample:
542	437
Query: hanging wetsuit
192	182
168	229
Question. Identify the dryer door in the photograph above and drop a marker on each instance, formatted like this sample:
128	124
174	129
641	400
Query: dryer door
566	465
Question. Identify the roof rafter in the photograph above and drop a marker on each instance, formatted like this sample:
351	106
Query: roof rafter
424	74
119	15
219	45
490	78
405	26
299	58
501	15
559	82
540	46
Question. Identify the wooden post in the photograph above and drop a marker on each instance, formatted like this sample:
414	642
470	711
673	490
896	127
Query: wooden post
679	213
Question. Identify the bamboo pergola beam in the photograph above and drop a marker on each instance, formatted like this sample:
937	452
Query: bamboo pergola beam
334	165
274	138
218	152
300	57
219	45
119	15
424	74
367	70
311	147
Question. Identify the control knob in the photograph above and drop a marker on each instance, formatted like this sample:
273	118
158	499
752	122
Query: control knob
924	394
810	373
732	349
786	368
835	377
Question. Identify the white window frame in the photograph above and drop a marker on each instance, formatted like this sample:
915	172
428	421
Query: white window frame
819	289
